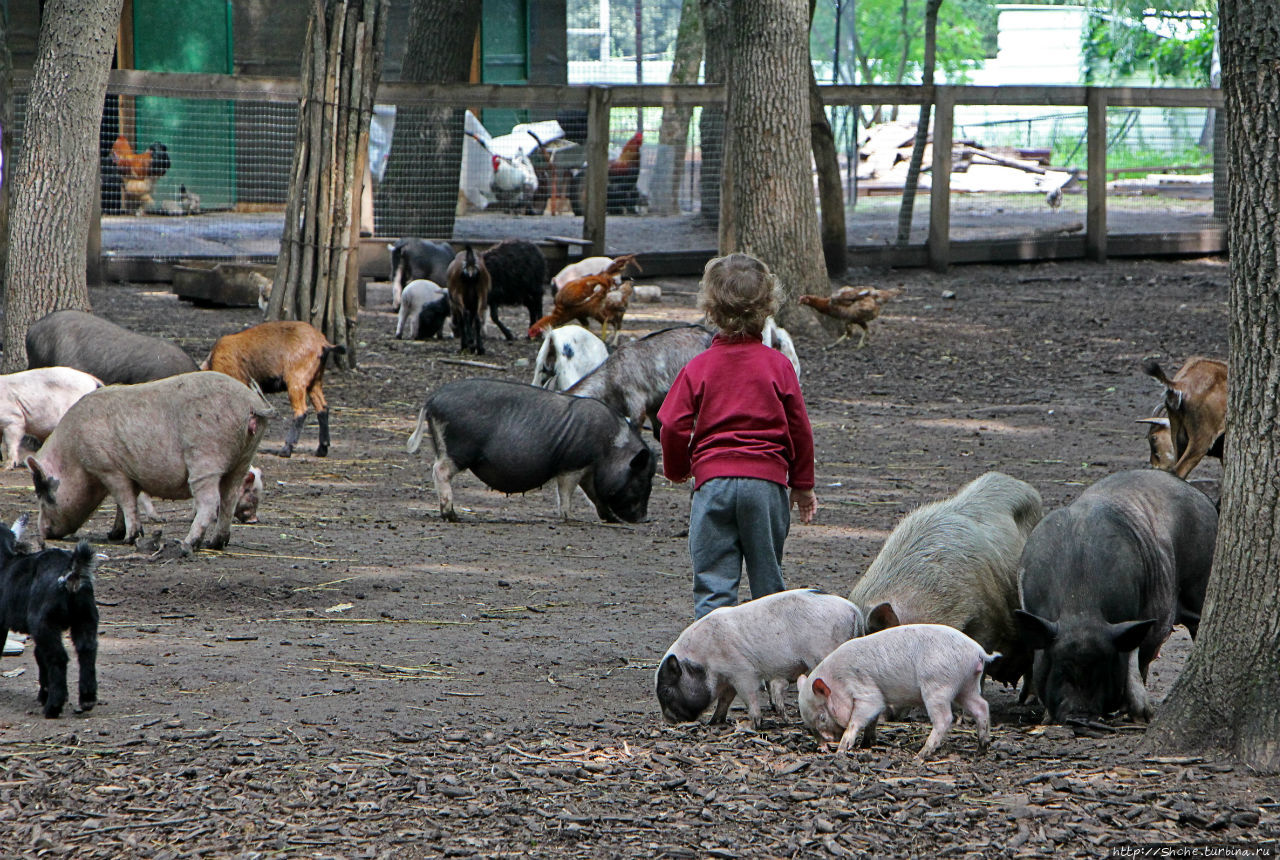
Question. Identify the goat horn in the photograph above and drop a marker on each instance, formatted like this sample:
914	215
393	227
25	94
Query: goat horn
1158	422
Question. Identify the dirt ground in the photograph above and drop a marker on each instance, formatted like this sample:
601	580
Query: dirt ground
354	677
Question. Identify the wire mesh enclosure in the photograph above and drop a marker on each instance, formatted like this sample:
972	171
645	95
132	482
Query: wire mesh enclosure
197	166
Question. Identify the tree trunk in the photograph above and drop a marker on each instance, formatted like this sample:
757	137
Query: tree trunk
835	243
717	33
426	147
922	125
674	131
57	172
6	135
1225	699
769	152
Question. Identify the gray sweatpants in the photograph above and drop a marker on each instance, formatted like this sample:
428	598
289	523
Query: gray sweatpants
734	521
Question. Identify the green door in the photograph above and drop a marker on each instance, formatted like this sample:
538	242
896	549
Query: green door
187	36
504	54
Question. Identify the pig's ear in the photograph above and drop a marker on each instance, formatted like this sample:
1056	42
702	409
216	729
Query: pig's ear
669	672
882	617
19	526
1128	635
820	688
45	486
641	461
1037	632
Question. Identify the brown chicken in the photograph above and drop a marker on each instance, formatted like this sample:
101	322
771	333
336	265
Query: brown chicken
854	306
603	297
139	171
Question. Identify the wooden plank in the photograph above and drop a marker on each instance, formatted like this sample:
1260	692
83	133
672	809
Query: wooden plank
1096	192
596	184
940	180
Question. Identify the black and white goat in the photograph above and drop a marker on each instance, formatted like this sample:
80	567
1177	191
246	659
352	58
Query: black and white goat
42	594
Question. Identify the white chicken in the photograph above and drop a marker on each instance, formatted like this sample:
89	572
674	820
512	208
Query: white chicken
511	181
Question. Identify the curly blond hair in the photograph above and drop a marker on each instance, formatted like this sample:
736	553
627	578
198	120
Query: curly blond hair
737	293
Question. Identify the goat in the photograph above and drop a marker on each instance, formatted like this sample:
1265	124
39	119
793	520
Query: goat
1195	401
517	276
281	356
568	353
468	285
43	594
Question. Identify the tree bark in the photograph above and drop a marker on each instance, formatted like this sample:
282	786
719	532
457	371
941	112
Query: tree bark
57	172
674	131
922	125
835	243
6	135
426	147
1225	700
768	151
717	33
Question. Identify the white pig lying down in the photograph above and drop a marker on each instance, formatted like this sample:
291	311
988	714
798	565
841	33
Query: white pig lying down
32	402
900	667
733	650
184	437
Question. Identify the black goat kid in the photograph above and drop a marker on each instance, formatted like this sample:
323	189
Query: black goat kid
42	594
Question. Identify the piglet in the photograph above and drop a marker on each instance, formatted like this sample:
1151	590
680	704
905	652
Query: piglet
901	667
733	650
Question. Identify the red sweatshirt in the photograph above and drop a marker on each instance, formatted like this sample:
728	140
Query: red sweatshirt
736	411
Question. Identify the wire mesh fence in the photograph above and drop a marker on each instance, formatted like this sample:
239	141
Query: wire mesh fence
191	170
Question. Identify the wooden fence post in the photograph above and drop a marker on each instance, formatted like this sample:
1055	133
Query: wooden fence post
1095	238
939	242
596	186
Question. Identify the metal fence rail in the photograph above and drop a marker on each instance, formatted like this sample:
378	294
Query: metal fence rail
229	140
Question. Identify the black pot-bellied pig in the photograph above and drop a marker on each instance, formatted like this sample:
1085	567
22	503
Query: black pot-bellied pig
903	667
1104	580
516	438
187	437
42	594
733	650
101	348
955	562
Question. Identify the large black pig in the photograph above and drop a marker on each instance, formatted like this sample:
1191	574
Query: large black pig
103	349
1103	581
516	438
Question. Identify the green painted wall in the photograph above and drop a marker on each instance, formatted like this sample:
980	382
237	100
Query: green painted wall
504	56
188	36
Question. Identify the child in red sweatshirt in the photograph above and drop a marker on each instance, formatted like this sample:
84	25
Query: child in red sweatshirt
735	421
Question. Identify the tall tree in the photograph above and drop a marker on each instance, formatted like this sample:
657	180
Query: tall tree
6	135
57	173
426	147
768	151
717	33
674	131
1225	699
835	242
922	124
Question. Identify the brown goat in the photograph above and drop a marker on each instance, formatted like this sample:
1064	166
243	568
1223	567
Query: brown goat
1195	403
281	356
468	284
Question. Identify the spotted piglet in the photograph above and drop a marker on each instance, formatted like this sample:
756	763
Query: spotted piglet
733	650
901	667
